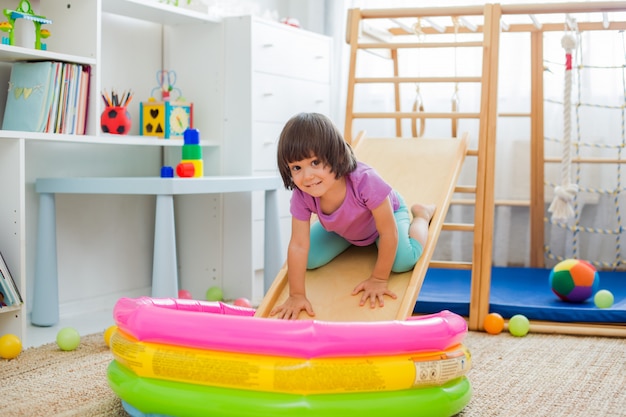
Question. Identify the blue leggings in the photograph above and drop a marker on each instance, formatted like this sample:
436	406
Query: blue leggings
325	245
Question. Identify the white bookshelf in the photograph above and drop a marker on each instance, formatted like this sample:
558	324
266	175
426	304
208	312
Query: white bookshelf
125	42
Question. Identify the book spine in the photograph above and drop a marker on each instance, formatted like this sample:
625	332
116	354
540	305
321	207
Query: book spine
8	278
9	297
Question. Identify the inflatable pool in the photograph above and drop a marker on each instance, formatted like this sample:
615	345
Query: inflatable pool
177	357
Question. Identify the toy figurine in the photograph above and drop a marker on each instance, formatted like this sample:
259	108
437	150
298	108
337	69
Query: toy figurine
24	11
170	117
174	2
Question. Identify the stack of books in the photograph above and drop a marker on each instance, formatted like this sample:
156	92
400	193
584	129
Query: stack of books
9	292
48	96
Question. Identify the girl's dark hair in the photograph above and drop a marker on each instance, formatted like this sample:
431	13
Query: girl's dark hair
313	134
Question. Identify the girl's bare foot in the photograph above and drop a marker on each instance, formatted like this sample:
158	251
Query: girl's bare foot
424	211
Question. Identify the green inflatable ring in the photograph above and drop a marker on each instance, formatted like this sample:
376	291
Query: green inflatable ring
155	396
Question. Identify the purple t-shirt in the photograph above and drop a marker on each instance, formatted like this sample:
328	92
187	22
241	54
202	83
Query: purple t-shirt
353	220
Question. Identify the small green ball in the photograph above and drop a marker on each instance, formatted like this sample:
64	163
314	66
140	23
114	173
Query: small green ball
519	325
214	294
603	299
68	338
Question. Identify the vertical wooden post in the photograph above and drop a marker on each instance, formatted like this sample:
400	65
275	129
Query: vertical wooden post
485	175
396	91
537	198
352	38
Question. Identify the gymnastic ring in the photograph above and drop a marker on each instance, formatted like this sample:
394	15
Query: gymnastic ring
418	108
154	397
185	322
289	375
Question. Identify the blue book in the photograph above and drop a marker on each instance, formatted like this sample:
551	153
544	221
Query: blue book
29	98
13	291
9	298
4	302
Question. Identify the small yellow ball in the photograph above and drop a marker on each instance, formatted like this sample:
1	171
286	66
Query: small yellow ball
10	346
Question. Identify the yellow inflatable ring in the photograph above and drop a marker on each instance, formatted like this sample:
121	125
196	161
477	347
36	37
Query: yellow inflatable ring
289	374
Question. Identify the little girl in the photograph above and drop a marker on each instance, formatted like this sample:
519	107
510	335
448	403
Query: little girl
354	206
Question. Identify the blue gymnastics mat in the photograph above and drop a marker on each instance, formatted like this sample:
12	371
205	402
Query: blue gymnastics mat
520	291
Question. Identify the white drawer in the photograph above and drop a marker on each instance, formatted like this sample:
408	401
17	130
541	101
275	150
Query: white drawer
264	146
290	52
277	99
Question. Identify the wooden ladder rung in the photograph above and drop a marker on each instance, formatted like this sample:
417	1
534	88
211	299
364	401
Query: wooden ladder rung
417	45
466	189
458	227
466	266
415	115
399	80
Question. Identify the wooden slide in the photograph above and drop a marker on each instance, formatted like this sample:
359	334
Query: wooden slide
422	170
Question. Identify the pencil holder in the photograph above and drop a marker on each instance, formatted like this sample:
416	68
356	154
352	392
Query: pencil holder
115	120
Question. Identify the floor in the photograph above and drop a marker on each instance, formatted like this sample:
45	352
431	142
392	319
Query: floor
94	322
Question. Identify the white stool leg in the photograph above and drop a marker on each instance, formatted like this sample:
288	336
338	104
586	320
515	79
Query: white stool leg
45	311
273	248
164	265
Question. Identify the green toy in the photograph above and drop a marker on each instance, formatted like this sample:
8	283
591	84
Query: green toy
174	2
24	11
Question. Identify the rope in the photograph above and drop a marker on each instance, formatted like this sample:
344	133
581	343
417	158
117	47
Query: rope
618	215
616	231
455	96
561	207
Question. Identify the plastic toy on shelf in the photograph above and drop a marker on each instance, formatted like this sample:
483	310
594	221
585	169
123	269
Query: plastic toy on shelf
24	11
168	118
191	164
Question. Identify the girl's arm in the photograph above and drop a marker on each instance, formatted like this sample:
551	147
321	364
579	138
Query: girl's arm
297	256
375	287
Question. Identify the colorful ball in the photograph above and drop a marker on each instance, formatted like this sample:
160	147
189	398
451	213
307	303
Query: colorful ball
68	338
242	302
10	346
519	325
185	294
603	299
494	323
214	294
574	280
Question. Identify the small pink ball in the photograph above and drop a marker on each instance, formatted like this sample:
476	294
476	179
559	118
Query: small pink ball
184	294
242	302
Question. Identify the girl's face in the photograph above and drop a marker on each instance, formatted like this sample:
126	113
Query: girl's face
312	176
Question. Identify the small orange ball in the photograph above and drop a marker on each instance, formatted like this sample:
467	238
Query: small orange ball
494	323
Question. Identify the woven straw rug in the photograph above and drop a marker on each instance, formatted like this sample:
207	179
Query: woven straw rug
537	375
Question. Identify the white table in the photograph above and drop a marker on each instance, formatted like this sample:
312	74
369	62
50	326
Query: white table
45	311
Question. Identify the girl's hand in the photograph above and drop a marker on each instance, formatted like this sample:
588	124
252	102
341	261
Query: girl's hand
292	307
375	289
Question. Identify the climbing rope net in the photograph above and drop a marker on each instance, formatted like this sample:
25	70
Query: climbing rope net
576	189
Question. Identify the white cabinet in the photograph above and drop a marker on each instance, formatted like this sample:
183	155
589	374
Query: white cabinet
271	72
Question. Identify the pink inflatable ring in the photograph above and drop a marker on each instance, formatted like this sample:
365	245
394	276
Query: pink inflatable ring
218	326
